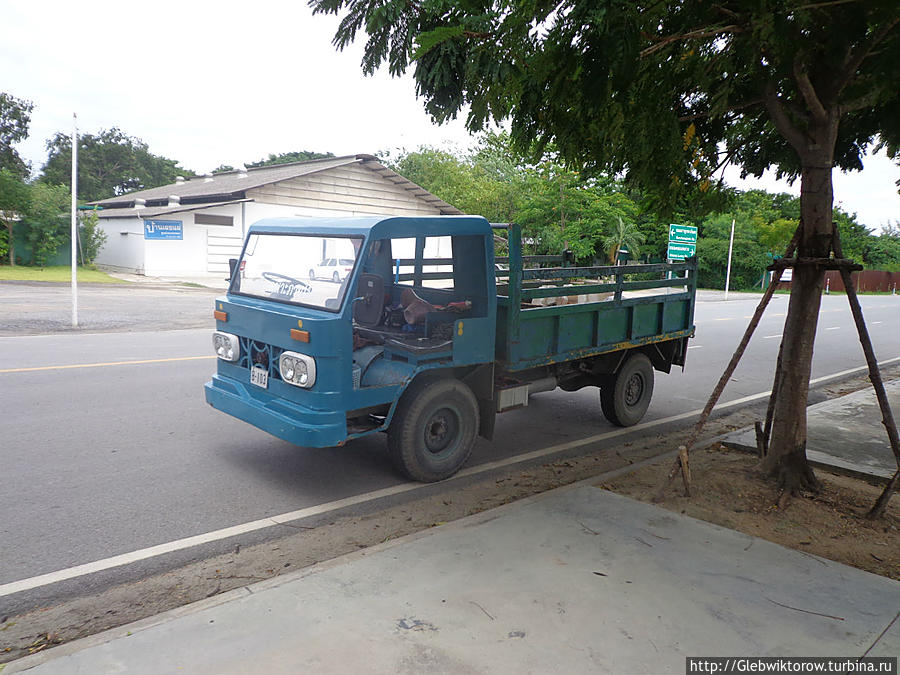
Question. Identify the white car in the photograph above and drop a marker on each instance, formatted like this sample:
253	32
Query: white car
335	269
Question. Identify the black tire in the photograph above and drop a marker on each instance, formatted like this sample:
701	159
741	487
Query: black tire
625	399
433	429
312	274
335	277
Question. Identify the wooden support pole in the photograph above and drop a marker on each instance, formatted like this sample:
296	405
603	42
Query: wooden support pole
887	417
770	410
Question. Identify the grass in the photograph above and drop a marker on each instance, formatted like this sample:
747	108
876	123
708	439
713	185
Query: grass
58	273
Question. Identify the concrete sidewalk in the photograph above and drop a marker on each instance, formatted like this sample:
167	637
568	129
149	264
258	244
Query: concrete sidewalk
575	580
845	433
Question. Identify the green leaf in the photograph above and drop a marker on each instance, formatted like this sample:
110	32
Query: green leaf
427	41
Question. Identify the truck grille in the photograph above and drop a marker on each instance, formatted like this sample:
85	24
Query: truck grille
256	353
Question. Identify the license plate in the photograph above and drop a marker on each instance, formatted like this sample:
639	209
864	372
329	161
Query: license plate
259	377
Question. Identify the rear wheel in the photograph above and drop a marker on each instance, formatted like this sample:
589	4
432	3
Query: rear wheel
433	430
625	399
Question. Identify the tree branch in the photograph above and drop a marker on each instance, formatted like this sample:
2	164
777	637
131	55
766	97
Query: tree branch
801	77
780	119
699	33
727	12
870	99
854	60
733	108
819	5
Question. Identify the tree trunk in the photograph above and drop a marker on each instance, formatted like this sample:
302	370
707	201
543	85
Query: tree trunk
12	251
786	458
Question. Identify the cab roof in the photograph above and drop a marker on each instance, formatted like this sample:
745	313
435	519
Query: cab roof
377	227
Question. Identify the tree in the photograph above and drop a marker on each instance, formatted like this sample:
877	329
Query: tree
90	236
47	221
15	201
15	116
110	164
883	252
288	157
487	181
624	236
665	93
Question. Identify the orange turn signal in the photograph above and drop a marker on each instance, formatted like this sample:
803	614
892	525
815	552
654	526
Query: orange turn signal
300	335
220	315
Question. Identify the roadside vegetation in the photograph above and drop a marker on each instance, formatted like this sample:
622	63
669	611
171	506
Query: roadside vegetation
56	273
599	217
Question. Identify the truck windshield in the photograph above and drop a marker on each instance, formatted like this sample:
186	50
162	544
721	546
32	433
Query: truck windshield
309	270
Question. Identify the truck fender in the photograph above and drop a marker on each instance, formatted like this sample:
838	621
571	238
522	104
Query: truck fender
481	381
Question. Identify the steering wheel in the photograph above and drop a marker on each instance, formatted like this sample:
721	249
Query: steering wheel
285	281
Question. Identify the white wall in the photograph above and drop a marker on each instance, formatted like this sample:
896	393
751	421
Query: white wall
203	250
258	211
124	247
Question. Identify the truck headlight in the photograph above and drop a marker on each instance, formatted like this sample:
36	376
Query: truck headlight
226	346
297	369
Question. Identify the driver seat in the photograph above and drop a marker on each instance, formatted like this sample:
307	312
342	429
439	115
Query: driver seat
369	310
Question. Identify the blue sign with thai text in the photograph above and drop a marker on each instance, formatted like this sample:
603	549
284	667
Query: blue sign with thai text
163	229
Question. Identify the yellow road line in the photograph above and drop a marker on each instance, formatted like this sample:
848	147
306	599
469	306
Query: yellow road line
101	365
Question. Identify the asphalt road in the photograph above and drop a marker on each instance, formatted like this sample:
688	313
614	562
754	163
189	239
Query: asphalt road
108	446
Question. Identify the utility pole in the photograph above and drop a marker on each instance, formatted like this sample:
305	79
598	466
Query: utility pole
728	270
74	220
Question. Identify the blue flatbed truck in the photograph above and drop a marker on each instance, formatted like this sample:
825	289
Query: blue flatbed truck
426	336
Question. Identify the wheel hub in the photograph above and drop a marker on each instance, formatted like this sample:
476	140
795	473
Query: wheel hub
441	430
634	389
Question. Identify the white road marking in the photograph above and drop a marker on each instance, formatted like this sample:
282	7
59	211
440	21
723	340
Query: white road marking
771	337
217	535
833	328
696	347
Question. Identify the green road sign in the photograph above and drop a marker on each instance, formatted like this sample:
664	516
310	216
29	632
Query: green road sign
679	250
686	234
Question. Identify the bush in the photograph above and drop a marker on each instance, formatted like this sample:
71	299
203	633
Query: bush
91	237
747	263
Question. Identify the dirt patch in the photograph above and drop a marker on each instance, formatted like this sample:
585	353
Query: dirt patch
728	490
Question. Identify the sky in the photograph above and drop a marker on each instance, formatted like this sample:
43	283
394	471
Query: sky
212	83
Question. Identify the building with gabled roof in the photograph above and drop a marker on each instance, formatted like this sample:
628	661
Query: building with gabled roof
192	227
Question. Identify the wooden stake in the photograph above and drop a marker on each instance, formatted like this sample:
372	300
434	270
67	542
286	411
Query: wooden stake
887	417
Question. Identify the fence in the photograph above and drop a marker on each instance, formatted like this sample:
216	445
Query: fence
867	281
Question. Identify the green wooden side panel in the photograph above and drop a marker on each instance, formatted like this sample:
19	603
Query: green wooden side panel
502	347
646	320
576	331
613	326
675	316
536	337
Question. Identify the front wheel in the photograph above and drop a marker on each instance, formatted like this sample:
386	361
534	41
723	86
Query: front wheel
626	398
433	430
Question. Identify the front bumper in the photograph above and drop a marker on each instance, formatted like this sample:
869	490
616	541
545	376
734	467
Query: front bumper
285	419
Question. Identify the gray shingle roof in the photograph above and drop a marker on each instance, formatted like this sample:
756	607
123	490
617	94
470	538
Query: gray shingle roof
153	211
231	185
